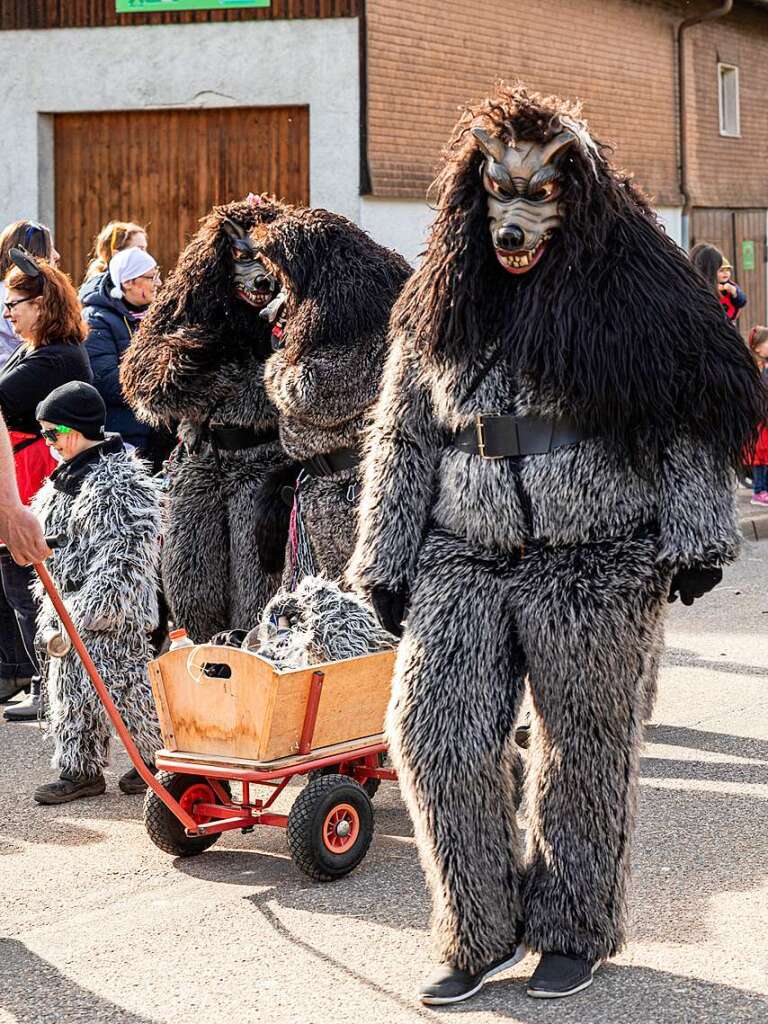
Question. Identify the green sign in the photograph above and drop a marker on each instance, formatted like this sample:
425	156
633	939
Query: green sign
748	255
161	6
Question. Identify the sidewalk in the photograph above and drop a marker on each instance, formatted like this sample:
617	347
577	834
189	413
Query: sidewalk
754	520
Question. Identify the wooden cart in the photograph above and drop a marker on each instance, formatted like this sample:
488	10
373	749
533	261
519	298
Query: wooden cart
229	716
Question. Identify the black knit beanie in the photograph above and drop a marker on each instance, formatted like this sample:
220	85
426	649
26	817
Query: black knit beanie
76	405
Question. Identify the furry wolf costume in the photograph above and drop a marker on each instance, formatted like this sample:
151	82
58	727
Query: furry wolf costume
198	359
553	561
108	510
338	287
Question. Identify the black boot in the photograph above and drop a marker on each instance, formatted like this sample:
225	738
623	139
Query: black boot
447	984
559	974
132	783
70	788
27	710
10	687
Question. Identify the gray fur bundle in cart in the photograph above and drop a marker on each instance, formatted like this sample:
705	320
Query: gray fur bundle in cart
314	624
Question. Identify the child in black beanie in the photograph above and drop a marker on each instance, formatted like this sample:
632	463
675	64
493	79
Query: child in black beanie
106	506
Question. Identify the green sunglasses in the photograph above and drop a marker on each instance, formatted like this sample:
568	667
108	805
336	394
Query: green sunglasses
53	433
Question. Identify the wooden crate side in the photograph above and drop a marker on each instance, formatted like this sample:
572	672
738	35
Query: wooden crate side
219	716
353	703
161	704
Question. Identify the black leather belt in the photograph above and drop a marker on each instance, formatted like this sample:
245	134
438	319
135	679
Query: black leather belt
499	437
332	462
232	439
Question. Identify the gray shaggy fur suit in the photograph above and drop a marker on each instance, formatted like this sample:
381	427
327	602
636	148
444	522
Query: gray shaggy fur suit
553	566
198	361
325	376
106	571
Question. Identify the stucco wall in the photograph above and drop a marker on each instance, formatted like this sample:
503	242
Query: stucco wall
247	64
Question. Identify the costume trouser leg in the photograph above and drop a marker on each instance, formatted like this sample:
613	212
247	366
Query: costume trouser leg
78	720
457	689
195	557
251	588
590	621
329	510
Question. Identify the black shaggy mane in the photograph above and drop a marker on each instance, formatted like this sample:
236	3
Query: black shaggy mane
199	291
339	282
614	317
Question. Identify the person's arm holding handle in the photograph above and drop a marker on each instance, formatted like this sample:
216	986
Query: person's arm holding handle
19	527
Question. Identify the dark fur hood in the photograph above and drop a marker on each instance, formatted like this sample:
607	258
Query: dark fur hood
614	319
340	283
197	326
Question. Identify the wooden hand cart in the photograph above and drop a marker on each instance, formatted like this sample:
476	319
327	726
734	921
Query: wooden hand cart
228	716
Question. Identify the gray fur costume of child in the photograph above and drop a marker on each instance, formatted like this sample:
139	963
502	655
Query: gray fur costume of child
326	373
198	360
106	572
554	565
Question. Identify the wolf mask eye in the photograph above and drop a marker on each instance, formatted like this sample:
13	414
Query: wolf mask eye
500	190
545	192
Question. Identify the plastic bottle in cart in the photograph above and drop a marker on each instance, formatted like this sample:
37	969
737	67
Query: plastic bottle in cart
179	638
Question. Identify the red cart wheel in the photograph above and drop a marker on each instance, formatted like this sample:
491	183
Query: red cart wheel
330	827
164	828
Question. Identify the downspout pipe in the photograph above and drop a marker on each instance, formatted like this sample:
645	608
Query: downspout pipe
718	12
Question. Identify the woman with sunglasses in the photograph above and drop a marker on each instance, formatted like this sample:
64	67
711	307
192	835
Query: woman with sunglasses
15	668
35	238
113	310
42	306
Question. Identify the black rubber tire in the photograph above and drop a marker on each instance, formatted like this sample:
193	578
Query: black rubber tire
305	827
371	786
164	828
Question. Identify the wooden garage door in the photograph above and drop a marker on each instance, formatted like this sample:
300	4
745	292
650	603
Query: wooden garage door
741	236
167	168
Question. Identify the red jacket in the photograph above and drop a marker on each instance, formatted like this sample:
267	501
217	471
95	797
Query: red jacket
34	463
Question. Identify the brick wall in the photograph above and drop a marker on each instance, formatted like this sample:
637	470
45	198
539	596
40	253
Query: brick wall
427	57
729	171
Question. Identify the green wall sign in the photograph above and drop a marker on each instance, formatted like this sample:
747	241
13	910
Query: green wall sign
161	6
748	255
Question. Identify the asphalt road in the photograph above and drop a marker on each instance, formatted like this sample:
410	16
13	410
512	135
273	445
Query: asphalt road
99	926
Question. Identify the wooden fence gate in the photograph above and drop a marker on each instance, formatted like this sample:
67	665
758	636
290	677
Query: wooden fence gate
166	168
741	236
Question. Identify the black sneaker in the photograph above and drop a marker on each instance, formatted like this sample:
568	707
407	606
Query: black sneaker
447	984
67	789
559	974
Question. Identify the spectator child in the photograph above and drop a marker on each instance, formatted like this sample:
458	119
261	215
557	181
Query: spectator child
106	507
732	298
716	271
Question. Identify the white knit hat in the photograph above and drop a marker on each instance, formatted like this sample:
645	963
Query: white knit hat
127	265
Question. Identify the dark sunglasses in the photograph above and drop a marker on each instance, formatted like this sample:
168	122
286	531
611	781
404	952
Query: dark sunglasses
17	302
52	433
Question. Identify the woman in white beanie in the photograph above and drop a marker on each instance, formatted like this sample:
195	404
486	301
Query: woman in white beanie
113	309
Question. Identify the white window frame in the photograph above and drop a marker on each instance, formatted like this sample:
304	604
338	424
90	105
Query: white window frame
721	68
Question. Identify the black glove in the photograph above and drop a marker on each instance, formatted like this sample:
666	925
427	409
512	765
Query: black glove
272	516
688	584
390	607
